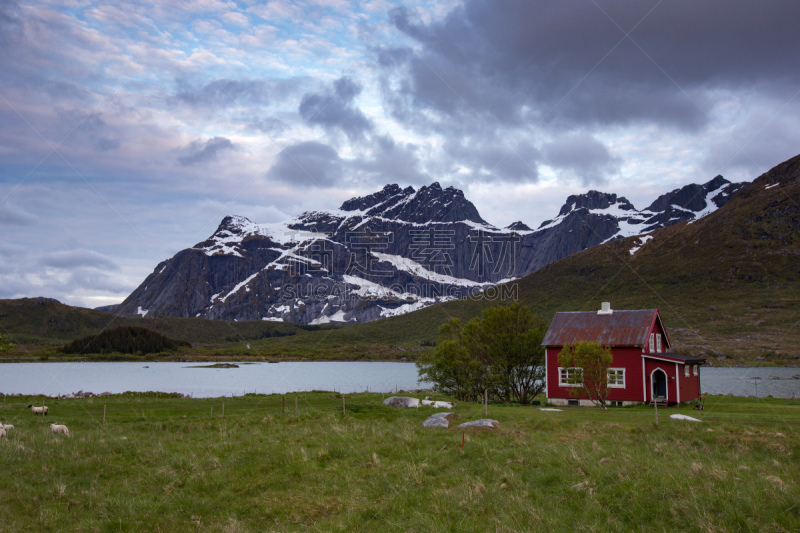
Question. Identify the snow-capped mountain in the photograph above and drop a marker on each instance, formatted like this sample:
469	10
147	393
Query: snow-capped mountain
388	253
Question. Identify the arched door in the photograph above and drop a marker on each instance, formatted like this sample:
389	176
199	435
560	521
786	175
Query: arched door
658	384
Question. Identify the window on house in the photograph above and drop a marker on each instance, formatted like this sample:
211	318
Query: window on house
652	343
616	377
570	377
696	369
658	342
686	370
573	403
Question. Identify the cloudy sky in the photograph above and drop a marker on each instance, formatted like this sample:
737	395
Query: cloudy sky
128	130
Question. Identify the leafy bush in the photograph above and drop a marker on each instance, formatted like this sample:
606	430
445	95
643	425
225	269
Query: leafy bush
499	352
130	340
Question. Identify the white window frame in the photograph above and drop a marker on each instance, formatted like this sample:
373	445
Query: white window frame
658	342
617	371
652	343
563	372
686	371
696	369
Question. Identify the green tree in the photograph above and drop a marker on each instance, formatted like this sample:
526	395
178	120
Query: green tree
507	340
594	360
5	344
500	352
450	367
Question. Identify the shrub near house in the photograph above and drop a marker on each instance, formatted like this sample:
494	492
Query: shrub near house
642	367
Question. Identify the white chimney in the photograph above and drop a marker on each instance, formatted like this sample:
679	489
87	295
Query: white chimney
605	309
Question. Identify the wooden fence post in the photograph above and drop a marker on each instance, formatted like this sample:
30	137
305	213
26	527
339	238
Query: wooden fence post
104	414
655	402
223	409
283	403
295	405
343	409
485	402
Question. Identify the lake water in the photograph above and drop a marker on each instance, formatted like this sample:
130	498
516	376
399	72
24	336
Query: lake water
271	378
186	378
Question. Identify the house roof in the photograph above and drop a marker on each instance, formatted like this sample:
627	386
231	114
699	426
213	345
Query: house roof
686	359
620	328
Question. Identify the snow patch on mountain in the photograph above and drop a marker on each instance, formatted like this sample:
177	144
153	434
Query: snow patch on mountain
641	243
405	264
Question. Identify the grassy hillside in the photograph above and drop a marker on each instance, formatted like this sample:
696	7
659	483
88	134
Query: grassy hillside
164	464
41	324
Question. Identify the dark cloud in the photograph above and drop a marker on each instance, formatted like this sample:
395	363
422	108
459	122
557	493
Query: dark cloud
512	162
564	63
582	156
76	125
224	93
758	143
73	259
390	162
307	164
14	216
94	280
202	152
10	25
333	109
268	125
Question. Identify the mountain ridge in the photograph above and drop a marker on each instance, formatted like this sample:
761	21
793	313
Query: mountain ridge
389	252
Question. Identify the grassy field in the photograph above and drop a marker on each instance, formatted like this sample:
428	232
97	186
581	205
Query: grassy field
165	464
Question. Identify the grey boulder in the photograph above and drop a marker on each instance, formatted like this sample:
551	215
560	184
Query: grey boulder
401	401
439	420
482	423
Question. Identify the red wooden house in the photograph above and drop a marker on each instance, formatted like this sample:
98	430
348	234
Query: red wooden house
642	369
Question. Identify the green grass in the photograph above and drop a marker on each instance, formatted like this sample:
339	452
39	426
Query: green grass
163	463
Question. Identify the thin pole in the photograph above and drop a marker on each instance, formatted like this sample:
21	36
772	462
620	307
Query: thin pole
212	412
343	410
223	408
485	402
104	414
283	400
655	402
295	405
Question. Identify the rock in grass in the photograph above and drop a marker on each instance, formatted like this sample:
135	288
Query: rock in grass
435	404
482	423
440	420
684	417
401	401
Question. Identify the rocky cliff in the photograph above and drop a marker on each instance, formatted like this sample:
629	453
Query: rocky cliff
388	253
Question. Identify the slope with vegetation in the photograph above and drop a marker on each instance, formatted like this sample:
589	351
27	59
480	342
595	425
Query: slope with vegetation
125	339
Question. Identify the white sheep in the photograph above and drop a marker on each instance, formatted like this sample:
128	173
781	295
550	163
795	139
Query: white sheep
6	426
2	432
58	428
38	410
